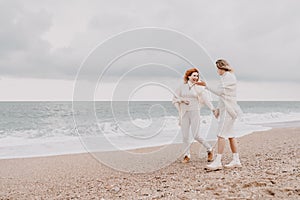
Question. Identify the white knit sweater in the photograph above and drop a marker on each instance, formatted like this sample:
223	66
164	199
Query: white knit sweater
227	94
195	94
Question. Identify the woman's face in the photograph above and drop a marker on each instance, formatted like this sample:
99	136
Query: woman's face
194	77
221	71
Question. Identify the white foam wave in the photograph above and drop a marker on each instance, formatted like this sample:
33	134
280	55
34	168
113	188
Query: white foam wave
62	141
273	117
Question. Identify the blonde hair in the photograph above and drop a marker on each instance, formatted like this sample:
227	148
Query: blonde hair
223	64
189	73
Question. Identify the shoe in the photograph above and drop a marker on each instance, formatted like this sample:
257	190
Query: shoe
210	156
233	164
214	166
186	159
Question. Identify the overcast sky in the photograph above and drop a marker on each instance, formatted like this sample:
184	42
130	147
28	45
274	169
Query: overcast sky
43	43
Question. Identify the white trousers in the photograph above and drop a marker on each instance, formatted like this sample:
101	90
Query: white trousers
191	120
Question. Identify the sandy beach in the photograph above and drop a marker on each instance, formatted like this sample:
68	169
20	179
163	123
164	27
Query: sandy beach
271	170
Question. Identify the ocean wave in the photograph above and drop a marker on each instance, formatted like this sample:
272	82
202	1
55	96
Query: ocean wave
271	117
126	133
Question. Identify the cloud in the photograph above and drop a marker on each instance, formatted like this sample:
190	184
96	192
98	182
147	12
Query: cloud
50	39
23	50
21	30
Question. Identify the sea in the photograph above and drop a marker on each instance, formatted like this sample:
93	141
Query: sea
31	129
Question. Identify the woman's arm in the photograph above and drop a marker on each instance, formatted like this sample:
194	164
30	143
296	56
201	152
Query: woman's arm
207	101
177	98
217	91
202	95
227	82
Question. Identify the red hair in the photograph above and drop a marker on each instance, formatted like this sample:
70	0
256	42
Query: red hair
189	73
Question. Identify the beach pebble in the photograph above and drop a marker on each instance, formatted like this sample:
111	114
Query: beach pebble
115	189
235	173
145	192
270	192
270	172
288	189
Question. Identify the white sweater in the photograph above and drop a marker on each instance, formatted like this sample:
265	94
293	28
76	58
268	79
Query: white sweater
195	94
227	94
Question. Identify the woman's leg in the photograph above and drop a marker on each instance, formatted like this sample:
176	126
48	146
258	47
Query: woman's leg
233	145
217	164
185	129
221	145
195	126
235	156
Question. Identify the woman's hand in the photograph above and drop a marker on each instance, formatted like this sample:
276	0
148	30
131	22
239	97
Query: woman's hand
202	83
185	102
216	113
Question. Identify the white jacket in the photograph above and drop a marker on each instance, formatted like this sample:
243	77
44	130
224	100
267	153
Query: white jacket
195	94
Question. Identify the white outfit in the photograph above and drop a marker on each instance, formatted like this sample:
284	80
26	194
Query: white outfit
189	115
229	109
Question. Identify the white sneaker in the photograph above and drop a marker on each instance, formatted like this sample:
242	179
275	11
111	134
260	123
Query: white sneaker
233	164
215	165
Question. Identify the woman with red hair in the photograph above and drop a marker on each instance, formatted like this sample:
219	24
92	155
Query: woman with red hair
188	99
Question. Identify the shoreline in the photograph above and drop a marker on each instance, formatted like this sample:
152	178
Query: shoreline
74	145
268	126
270	161
284	124
82	149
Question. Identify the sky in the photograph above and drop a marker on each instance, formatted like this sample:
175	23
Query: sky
45	44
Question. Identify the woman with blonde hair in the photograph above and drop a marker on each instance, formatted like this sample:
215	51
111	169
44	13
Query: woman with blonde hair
188	99
228	111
